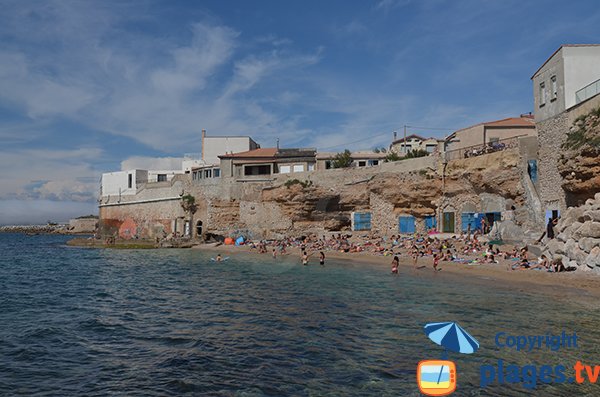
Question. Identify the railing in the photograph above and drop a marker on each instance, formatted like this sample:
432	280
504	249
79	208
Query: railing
588	91
478	150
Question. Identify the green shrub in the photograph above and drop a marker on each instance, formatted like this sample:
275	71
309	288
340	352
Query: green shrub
342	160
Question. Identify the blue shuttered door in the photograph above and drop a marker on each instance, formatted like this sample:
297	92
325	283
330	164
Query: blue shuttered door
406	224
430	222
470	218
362	221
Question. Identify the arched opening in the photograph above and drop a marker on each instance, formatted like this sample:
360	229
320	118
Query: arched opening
199	228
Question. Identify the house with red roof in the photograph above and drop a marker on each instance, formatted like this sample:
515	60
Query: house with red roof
488	133
262	163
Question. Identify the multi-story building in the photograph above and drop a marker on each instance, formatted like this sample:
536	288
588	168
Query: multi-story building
570	76
566	86
414	142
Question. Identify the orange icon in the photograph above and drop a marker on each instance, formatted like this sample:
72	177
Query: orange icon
436	377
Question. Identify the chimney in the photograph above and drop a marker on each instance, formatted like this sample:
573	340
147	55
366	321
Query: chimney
395	135
277	143
203	135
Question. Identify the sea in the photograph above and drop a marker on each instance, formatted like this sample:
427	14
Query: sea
97	322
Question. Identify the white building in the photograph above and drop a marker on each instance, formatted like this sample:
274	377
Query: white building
570	76
122	183
414	142
215	146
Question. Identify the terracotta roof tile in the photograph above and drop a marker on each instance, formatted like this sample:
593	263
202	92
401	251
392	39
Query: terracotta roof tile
512	122
262	152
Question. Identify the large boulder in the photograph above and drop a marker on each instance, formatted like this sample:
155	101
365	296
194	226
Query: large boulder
592	215
588	229
571	216
575	253
556	247
587	243
593	259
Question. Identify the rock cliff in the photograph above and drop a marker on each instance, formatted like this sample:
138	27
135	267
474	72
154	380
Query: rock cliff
579	165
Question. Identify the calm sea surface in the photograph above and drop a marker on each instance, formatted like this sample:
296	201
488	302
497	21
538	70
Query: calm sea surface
171	322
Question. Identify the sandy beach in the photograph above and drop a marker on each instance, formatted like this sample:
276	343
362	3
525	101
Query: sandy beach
581	287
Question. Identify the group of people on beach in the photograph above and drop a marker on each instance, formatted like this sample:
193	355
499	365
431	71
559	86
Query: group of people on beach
464	248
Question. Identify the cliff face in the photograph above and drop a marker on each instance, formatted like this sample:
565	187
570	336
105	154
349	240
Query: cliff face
580	164
326	201
497	173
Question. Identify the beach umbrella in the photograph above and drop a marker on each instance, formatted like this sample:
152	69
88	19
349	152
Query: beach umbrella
452	337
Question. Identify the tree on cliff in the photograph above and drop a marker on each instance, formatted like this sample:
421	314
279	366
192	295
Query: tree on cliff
188	203
342	160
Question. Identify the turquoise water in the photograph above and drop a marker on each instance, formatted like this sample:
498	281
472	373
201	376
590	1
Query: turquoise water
171	322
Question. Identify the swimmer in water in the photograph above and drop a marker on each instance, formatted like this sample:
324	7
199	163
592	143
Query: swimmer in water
395	264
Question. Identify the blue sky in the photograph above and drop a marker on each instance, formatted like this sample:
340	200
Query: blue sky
89	87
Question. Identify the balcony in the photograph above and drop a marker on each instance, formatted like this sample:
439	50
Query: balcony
587	92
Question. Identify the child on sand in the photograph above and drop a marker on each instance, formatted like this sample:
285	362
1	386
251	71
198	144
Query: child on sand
395	263
436	262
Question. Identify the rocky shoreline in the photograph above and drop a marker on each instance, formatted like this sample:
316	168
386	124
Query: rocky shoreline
38	229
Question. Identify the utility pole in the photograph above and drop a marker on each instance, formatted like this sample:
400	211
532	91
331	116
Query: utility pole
404	140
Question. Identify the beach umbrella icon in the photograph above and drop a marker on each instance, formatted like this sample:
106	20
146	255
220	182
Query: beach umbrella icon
452	337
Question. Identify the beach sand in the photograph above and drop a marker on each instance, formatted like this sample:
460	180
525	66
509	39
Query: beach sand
578	286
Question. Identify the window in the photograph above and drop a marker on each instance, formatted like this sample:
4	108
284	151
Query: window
207	174
430	148
373	162
362	163
285	169
542	94
217	173
257	170
311	167
298	168
130	181
161	177
554	88
327	164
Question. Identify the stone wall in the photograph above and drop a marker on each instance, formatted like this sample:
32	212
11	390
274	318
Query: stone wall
551	136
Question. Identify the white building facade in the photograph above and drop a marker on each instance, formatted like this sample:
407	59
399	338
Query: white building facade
571	75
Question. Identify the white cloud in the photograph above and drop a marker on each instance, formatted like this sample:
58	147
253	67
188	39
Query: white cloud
49	174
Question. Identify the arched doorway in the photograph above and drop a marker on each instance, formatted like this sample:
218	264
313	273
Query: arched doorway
199	228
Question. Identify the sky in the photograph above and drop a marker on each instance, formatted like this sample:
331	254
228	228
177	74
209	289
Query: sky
88	87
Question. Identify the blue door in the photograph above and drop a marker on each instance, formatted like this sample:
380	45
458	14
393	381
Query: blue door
406	224
362	221
532	170
471	218
430	222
